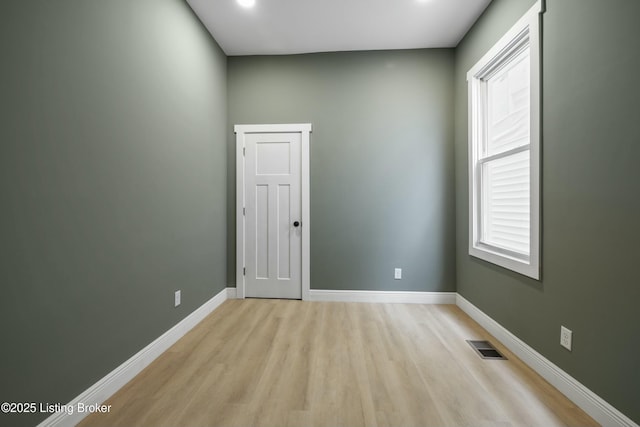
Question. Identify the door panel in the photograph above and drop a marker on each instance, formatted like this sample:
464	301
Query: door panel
284	223
273	244
262	231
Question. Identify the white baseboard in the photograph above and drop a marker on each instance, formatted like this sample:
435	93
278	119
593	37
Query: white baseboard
588	401
404	297
107	386
231	293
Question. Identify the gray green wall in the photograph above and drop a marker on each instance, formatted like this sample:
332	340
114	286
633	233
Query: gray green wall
590	188
382	186
112	186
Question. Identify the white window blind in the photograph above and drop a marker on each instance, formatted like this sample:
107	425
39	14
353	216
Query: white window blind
505	202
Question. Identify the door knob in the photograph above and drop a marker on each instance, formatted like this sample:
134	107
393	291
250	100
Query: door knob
296	223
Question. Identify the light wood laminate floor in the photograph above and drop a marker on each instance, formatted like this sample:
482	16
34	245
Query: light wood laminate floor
294	363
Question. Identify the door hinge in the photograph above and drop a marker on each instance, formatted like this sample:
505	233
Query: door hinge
244	211
244	271
244	151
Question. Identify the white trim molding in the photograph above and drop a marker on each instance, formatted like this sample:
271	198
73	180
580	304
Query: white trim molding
116	379
305	130
523	38
404	297
231	292
588	401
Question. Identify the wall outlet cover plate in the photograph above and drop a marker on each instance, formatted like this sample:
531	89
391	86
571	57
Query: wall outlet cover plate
566	336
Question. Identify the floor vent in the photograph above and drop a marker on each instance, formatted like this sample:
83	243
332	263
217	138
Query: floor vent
486	350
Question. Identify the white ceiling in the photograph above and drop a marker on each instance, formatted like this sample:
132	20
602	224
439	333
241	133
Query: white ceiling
277	27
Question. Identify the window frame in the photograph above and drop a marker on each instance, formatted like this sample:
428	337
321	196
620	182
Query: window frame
525	32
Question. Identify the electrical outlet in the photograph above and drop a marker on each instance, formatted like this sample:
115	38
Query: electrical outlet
176	300
397	274
565	337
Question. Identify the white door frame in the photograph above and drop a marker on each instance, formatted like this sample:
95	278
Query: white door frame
304	129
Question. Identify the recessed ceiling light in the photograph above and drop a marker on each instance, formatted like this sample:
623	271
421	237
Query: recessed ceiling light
246	3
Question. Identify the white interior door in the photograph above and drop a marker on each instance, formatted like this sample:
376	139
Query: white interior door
272	214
